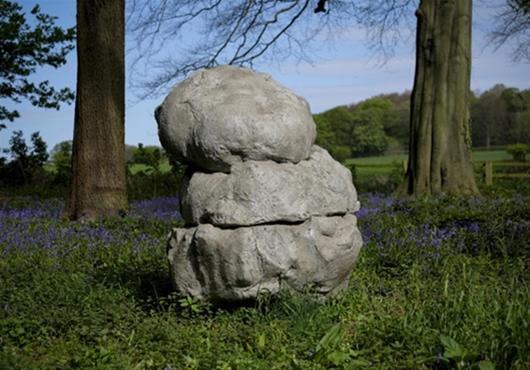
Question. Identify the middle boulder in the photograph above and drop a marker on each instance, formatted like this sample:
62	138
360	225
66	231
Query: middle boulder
263	192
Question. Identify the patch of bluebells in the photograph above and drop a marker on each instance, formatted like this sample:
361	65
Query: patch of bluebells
33	208
27	235
39	225
470	225
467	225
164	208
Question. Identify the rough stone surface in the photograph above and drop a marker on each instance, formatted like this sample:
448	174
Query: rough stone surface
221	116
224	265
265	192
265	208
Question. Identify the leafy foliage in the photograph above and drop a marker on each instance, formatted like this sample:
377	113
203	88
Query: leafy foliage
24	48
148	156
500	116
148	179
362	129
151	177
368	136
25	163
326	137
518	151
380	125
62	160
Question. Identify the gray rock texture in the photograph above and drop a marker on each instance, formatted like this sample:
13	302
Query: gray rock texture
264	208
225	265
267	192
222	116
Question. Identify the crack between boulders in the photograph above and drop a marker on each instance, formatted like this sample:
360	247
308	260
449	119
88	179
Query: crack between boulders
270	223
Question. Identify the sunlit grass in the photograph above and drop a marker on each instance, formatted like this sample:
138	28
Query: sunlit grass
383	165
478	155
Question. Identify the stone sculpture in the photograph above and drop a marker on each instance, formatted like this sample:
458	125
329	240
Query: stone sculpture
264	207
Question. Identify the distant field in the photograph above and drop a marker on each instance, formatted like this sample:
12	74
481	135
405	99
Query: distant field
387	159
389	162
491	155
480	155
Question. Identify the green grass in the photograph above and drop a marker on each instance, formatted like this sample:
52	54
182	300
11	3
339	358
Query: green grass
379	160
383	165
491	155
375	166
479	155
418	298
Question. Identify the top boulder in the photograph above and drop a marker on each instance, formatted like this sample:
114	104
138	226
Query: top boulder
225	115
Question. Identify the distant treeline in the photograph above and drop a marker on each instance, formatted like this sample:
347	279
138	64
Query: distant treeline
380	125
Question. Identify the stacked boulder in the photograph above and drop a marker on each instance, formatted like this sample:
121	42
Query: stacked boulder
264	208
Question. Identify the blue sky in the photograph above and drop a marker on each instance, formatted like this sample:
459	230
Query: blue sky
343	72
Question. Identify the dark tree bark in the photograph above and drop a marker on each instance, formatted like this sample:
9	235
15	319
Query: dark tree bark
440	148
98	187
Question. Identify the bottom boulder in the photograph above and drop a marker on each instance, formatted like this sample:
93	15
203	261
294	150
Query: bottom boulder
228	265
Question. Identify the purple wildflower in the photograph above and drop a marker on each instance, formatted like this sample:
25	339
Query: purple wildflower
39	226
159	208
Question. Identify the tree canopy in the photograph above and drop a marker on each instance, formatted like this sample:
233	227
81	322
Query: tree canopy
380	125
25	162
373	126
23	48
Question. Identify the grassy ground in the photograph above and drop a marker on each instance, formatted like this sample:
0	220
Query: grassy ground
440	284
478	155
383	165
491	155
379	160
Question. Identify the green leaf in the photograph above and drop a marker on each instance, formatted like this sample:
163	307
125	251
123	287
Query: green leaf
338	358
486	365
360	363
329	342
332	338
453	349
261	341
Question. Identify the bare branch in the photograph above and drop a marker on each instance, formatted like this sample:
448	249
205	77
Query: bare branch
222	32
513	25
385	21
267	45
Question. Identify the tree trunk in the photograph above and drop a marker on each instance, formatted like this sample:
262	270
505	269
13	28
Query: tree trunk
440	143
98	187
